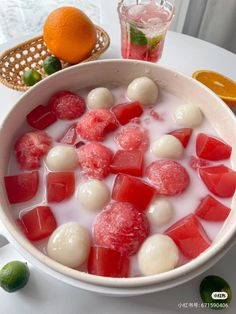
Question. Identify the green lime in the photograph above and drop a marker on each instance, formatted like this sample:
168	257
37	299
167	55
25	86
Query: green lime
51	65
215	292
14	276
31	77
136	36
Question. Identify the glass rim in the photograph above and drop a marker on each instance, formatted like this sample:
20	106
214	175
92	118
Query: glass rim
166	4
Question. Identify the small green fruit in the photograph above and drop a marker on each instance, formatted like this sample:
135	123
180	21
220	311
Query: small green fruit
14	276
51	65
31	77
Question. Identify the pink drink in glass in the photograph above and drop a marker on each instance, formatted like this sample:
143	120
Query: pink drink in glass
143	28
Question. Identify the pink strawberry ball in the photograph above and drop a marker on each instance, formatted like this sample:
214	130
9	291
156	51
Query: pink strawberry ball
95	124
95	160
31	147
121	227
67	105
132	137
169	177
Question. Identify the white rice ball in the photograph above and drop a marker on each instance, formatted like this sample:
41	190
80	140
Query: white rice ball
144	90
93	194
62	158
157	254
167	146
160	212
189	116
69	245
99	97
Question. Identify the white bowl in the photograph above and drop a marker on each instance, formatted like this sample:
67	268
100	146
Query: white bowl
96	74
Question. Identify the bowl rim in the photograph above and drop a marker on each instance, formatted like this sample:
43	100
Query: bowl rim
213	253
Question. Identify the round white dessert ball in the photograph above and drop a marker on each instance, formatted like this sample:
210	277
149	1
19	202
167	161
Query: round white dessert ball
62	158
189	116
100	97
69	245
93	194
144	90
157	254
160	212
167	146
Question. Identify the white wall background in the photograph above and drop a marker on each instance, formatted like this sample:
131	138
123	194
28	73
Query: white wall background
210	20
181	7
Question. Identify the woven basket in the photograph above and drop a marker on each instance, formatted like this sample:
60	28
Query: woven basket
30	55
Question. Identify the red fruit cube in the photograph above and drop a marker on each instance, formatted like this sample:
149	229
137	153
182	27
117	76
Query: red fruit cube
121	227
220	180
133	137
95	124
155	115
126	112
67	105
196	163
107	262
212	148
38	223
31	147
128	161
95	160
189	235
22	187
69	136
169	177
212	210
133	190
133	51
183	135
79	144
41	117
60	186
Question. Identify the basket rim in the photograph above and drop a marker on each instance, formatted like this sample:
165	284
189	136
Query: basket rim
24	88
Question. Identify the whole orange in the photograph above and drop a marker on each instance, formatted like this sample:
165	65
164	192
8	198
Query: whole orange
69	34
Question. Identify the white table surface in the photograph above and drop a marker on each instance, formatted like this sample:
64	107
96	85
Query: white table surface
48	296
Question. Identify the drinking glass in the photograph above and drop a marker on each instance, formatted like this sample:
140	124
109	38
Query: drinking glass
143	28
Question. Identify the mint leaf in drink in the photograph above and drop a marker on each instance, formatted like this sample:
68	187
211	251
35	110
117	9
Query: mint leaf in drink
137	37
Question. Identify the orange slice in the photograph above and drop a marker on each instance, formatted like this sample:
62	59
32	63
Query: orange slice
224	87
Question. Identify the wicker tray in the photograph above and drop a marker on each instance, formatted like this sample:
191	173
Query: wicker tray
31	53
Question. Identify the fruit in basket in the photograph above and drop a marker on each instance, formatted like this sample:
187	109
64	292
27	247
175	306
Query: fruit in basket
69	34
51	65
14	276
31	77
